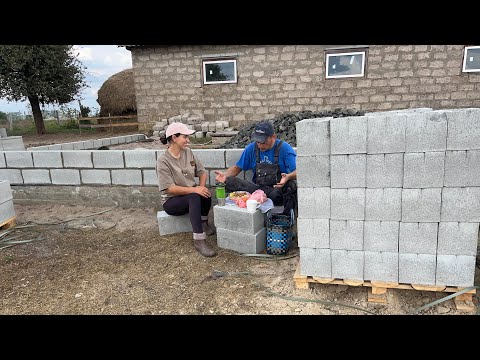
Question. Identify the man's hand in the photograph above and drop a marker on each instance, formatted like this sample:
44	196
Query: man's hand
202	191
282	181
221	177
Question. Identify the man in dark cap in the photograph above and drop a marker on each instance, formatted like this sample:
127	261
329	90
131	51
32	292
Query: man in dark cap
274	167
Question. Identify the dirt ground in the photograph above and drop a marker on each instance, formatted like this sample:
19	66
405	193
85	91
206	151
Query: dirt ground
111	260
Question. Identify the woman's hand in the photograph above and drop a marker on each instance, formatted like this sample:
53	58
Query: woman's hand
202	191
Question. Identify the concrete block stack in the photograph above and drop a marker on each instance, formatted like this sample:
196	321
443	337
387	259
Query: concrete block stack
240	230
390	197
7	210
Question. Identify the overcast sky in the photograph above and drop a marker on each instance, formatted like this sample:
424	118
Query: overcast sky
101	62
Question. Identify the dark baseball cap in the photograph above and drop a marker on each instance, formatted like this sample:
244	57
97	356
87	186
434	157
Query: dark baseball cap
262	131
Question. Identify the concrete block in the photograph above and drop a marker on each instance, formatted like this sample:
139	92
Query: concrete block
77	159
232	217
349	135
13	143
13	176
108	159
140	159
314	203
347	265
383	204
348	204
114	140
65	176
241	242
313	233
418	238
313	171
426	131
67	146
316	262
455	270
98	143
96	177
385	171
47	159
78	145
3	164
381	236
462	168
313	136
37	176
381	266
417	269
211	158
346	234
386	134
461	204
421	205
19	159
88	144
424	170
7	211
463	129
127	177
6	191
232	156
150	177
168	224
457	238
348	171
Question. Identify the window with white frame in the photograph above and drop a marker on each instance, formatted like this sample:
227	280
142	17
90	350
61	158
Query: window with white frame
219	71
345	64
471	59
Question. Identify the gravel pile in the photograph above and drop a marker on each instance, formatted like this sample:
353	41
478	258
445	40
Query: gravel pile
284	125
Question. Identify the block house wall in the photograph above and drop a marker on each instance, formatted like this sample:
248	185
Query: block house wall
273	79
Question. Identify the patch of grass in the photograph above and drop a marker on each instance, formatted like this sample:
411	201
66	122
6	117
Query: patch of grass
27	127
8	259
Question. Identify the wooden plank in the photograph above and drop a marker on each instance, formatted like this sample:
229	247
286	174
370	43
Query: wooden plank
377	298
379	290
428	287
108	117
7	224
382	284
353	282
323	280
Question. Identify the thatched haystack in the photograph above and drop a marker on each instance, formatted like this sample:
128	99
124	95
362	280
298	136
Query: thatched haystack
117	95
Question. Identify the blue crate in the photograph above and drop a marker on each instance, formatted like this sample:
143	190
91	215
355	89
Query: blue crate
279	233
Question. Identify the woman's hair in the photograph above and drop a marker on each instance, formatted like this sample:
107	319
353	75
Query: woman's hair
166	140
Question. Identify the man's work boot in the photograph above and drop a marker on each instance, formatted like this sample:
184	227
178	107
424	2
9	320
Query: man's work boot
201	245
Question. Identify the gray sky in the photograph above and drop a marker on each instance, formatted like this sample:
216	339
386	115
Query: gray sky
101	62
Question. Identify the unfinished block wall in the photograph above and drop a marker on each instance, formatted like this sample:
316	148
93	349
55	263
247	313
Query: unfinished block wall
7	210
391	196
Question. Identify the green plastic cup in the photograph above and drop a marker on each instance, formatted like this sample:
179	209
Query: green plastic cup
220	193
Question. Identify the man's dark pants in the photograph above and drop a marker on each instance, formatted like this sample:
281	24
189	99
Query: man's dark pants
286	195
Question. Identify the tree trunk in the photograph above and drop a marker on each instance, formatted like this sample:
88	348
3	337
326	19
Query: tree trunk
37	115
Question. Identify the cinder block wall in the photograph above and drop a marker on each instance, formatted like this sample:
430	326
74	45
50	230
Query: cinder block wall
100	167
273	79
391	196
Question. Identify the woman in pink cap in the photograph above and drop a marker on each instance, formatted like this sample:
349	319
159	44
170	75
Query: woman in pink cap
177	168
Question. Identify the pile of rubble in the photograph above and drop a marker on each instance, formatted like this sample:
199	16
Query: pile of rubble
284	126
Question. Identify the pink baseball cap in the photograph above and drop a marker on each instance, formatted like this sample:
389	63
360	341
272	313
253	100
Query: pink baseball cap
178	128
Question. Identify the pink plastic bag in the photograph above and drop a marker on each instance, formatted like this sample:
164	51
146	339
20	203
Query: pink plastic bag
258	195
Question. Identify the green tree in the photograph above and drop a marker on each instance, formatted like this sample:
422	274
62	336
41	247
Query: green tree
43	74
3	116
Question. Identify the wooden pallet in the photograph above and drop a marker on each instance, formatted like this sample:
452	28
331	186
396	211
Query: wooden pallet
377	291
7	224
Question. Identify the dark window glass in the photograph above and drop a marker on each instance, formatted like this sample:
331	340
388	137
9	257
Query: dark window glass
472	61
221	71
345	65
